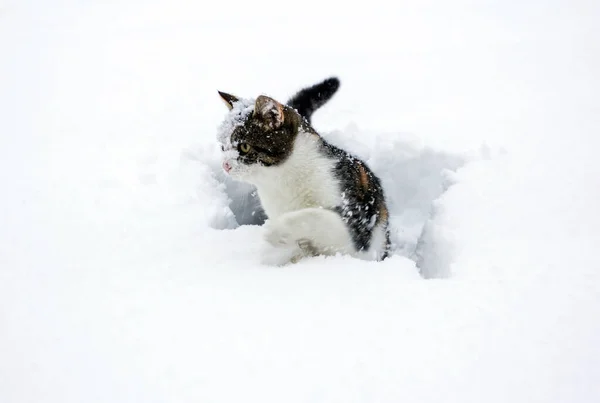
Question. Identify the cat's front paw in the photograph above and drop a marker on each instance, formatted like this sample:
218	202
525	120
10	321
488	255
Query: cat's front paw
289	229
279	234
283	243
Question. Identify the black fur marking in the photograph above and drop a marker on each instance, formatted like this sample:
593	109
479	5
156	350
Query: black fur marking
363	199
268	146
308	100
228	98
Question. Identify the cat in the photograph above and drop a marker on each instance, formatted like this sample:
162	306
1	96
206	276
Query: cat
244	202
319	199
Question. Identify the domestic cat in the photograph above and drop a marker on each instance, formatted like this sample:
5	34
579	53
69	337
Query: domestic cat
244	202
319	199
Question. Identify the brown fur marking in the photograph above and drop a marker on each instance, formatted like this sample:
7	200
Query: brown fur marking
383	213
363	178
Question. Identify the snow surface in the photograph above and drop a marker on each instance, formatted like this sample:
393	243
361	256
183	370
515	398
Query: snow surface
125	275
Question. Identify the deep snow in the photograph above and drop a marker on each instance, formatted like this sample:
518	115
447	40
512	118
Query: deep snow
124	273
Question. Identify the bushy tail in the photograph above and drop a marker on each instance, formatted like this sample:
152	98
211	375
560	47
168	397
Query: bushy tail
308	100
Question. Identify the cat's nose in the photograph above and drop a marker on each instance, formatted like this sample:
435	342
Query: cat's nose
226	166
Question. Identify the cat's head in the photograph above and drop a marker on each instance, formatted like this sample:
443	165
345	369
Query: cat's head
255	135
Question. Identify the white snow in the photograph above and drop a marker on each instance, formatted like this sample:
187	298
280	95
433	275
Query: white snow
125	275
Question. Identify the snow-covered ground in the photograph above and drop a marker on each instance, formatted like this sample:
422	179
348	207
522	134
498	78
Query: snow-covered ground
125	277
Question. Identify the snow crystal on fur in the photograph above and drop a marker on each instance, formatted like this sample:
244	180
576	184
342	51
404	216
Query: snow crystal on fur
236	117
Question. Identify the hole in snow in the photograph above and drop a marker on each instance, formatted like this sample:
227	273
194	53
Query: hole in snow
413	175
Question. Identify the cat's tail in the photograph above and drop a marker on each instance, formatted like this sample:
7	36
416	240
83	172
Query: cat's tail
309	99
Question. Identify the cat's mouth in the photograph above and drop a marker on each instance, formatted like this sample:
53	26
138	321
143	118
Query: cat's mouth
226	166
234	169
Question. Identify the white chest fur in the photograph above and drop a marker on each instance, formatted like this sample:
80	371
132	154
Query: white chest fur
304	180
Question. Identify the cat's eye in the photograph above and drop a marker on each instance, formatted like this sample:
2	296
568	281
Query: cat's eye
244	147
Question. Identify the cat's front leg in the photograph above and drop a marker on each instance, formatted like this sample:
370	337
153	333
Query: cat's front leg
281	247
308	232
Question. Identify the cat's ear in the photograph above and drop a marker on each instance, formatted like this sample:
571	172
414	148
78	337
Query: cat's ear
270	111
229	99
